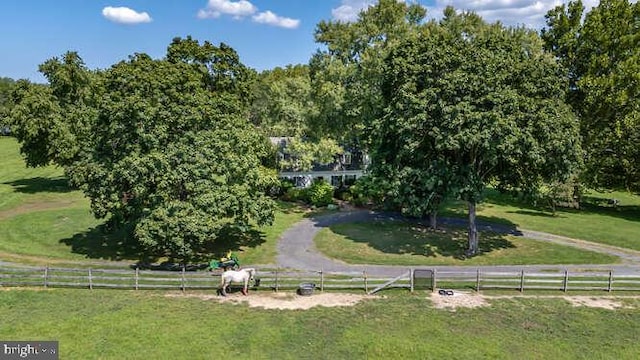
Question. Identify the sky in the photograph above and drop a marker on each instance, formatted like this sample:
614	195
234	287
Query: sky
265	33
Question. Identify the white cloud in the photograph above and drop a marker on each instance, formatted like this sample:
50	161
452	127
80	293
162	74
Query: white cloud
243	8
124	15
349	9
237	9
511	12
270	18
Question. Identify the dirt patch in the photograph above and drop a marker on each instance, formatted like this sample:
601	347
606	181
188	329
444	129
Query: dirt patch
596	302
473	300
284	301
457	300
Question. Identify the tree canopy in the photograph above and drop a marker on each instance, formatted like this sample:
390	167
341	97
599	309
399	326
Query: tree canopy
6	87
282	103
51	122
346	77
163	146
602	62
467	104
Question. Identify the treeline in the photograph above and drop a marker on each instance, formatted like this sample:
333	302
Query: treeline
176	150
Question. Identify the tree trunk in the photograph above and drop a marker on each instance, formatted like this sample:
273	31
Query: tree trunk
473	230
433	221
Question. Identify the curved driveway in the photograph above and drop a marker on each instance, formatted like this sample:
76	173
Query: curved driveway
296	249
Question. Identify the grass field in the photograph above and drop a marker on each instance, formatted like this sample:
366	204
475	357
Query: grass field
147	325
595	221
400	243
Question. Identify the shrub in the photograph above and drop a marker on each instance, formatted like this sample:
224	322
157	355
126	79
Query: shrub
320	193
285	186
294	194
367	191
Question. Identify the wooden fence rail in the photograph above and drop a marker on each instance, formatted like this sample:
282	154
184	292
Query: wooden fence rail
280	279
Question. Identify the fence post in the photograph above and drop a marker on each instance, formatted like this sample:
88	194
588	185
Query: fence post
478	280
90	280
411	279
522	280
366	285
182	280
434	282
610	287
322	279
276	279
566	280
46	276
137	278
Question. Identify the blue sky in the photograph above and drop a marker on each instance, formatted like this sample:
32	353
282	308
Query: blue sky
266	33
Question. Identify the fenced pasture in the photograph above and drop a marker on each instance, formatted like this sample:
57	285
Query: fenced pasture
283	279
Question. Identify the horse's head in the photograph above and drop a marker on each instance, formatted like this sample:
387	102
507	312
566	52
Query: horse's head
252	273
252	277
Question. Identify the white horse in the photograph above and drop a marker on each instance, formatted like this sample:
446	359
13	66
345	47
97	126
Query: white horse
236	276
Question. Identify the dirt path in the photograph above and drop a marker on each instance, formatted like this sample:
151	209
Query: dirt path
296	249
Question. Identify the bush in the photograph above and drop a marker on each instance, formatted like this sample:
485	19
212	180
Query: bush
294	194
284	187
320	193
343	194
367	191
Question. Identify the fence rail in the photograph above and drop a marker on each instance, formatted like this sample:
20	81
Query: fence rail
280	279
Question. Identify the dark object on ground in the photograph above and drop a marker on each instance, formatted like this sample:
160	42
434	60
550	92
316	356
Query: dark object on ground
306	289
444	292
169	266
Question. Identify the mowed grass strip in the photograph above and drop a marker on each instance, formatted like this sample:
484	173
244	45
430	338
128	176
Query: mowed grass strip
596	220
402	243
103	324
46	234
32	188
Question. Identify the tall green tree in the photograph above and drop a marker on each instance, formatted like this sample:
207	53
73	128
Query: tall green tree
161	147
6	87
282	103
347	74
602	61
468	104
51	122
175	156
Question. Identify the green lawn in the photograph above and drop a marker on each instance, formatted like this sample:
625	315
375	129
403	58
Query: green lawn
103	324
399	243
595	221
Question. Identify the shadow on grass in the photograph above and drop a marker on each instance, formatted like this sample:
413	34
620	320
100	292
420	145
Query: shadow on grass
533	213
41	184
105	243
588	205
602	207
233	239
415	239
